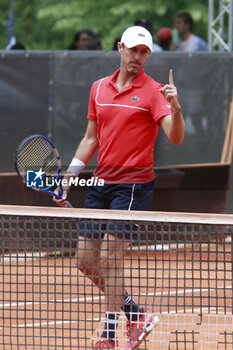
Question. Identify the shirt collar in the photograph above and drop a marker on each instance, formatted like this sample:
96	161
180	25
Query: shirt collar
138	81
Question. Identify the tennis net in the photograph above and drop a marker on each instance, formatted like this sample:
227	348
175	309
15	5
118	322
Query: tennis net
178	267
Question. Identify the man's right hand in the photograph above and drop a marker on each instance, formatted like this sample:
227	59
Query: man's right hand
62	192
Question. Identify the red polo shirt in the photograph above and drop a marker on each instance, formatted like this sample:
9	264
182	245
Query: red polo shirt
127	127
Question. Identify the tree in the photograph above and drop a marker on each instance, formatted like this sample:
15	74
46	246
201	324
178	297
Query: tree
51	24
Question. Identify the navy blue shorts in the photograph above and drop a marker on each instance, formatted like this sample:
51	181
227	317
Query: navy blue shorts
116	197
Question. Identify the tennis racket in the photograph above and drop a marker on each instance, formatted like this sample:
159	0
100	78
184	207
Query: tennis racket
38	164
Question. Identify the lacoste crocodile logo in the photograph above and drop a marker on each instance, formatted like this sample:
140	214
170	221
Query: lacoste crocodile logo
135	98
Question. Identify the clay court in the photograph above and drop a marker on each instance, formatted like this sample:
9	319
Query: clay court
47	304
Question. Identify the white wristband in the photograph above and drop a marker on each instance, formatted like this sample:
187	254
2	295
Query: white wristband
76	166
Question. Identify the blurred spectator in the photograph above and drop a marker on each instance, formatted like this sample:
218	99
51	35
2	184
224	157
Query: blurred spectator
164	36
95	44
82	39
143	22
117	40
193	100
18	46
188	40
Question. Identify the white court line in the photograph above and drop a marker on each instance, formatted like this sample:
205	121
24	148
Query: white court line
174	292
173	312
41	324
198	310
28	303
54	323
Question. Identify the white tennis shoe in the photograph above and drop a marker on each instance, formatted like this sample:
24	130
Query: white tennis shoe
138	330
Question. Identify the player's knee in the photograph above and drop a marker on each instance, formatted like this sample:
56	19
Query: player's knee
81	262
85	265
109	263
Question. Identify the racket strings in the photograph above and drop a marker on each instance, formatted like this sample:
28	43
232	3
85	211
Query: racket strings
37	153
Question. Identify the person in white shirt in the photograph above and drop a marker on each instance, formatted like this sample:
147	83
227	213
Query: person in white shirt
188	41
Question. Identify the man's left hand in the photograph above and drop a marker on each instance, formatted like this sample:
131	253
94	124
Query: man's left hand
169	91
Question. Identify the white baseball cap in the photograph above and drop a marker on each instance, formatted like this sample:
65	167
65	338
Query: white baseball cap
137	35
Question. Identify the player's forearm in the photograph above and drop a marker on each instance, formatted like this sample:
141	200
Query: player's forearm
174	127
86	149
177	127
89	144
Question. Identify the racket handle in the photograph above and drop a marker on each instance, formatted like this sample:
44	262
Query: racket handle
68	205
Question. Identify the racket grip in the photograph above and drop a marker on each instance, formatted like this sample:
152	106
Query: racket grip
68	205
65	202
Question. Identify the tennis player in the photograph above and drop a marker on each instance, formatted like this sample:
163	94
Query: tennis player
124	115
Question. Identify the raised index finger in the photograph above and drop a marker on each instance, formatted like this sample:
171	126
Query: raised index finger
171	81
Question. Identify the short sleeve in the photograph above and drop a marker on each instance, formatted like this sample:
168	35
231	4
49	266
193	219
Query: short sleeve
91	105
